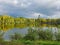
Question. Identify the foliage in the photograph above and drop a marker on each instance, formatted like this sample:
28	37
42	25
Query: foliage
32	34
16	36
58	36
5	19
45	35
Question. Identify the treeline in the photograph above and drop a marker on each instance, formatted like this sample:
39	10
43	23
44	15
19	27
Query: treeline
21	20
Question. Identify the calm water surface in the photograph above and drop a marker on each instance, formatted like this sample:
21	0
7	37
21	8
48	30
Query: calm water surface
22	29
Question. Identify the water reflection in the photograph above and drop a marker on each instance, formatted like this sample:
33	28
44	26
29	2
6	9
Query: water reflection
23	29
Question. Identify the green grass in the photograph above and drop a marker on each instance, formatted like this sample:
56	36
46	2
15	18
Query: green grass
44	43
47	42
28	42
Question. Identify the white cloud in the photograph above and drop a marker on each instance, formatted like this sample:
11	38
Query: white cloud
56	15
42	2
19	3
36	15
54	4
15	1
48	3
38	7
25	5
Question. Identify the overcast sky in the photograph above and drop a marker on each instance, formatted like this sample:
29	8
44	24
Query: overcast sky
31	8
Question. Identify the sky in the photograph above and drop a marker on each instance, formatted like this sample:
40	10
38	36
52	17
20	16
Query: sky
31	8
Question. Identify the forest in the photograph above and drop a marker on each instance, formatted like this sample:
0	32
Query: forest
5	19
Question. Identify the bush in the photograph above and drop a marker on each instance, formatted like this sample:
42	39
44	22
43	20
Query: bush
58	36
45	35
16	36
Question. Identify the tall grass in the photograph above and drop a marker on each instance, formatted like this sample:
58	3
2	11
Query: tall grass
33	37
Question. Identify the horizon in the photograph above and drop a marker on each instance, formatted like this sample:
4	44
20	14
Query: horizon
29	18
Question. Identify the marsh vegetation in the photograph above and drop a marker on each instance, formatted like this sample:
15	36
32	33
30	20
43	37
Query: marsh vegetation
25	31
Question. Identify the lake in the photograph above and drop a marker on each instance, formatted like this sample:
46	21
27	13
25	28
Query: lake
23	29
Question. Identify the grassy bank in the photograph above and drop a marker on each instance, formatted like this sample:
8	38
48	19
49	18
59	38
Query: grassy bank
28	42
